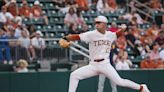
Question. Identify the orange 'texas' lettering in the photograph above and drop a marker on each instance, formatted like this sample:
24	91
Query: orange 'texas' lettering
102	42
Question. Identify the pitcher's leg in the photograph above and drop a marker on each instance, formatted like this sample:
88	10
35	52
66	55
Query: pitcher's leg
112	74
113	86
101	83
79	74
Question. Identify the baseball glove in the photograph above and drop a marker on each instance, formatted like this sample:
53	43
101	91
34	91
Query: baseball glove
64	43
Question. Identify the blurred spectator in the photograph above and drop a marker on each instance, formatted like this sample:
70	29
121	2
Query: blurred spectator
156	5
36	9
38	43
25	43
10	22
146	41
114	27
64	5
132	4
121	42
5	17
37	12
112	5
147	63
4	47
70	17
130	39
160	38
25	10
82	4
18	32
106	5
100	5
143	37
32	31
73	29
19	29
135	31
17	22
133	17
60	3
13	8
154	54
82	26
121	60
141	48
153	31
21	66
122	64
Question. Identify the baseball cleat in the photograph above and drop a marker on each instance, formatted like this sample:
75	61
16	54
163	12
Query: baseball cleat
145	89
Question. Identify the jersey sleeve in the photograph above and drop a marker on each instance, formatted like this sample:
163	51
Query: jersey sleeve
86	37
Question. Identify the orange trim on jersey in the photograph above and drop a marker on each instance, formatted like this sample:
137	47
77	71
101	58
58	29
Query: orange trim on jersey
73	37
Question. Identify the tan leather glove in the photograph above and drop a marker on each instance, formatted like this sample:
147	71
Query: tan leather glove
64	43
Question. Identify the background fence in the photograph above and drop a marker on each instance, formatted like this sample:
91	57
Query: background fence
58	81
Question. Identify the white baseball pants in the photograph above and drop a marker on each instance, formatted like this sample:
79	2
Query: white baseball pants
101	83
96	68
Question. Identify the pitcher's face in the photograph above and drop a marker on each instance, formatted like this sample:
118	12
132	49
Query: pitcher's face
100	26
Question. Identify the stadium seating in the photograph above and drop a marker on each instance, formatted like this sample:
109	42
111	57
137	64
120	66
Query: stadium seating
56	28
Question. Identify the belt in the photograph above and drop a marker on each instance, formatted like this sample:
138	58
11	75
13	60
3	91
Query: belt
98	60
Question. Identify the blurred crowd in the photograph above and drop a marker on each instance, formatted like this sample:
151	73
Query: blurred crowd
14	34
146	44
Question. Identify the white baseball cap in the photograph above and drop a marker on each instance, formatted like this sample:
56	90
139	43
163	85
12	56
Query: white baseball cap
39	32
36	3
101	19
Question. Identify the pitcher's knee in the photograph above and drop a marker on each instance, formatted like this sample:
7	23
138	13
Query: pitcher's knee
74	75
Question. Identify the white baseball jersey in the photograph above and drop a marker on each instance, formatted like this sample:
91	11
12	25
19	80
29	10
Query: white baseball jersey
100	43
99	48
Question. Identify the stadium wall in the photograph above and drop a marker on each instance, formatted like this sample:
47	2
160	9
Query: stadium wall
58	81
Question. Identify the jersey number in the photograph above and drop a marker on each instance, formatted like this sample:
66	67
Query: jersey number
108	50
